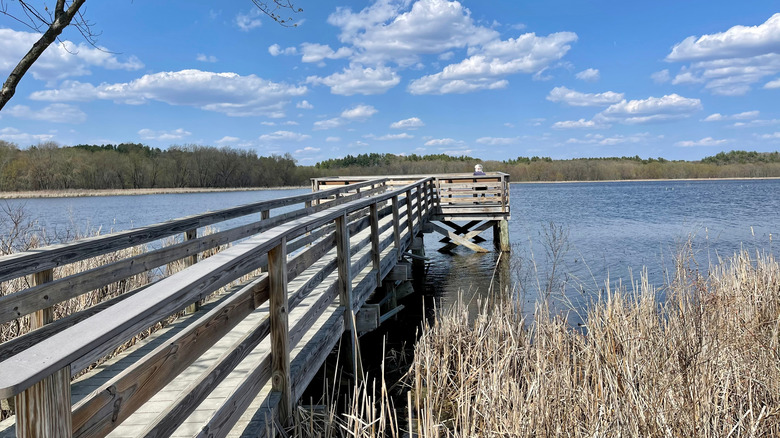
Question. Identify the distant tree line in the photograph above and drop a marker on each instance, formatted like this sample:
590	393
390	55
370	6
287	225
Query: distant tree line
48	166
734	164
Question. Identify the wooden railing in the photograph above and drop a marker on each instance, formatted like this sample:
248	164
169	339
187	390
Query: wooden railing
36	367
461	196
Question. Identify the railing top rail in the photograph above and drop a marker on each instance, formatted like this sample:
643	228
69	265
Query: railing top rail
39	259
54	353
411	177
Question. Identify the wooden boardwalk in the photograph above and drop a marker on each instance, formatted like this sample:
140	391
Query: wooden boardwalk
263	314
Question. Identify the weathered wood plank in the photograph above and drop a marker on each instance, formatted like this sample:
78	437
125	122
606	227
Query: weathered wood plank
190	398
118	398
308	361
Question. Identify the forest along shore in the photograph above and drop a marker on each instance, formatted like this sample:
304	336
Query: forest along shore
131	192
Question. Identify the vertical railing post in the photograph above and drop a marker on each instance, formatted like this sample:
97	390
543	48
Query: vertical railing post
396	227
438	190
345	292
265	214
189	261
410	217
375	250
426	193
43	316
419	206
280	341
44	408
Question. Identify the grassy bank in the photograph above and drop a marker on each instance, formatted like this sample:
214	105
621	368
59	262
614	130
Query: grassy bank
704	362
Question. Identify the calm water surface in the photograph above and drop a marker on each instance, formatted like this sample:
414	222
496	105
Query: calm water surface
601	231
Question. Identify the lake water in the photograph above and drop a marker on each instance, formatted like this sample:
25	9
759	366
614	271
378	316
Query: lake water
601	231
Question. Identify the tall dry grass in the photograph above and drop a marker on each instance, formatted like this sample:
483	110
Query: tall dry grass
701	359
704	362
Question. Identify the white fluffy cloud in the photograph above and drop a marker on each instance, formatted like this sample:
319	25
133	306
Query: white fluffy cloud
313	52
717	117
56	113
276	50
652	109
661	77
737	42
283	136
410	123
227	93
357	79
401	136
227	140
575	98
772	84
304	104
602	140
307	150
329	123
495	60
579	124
442	142
359	112
588	75
385	32
202	57
706	141
176	134
14	135
249	21
61	60
730	62
498	141
390	35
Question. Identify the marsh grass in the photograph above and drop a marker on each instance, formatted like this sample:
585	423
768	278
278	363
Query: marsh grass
704	362
699	359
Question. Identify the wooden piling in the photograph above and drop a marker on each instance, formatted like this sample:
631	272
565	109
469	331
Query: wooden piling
504	236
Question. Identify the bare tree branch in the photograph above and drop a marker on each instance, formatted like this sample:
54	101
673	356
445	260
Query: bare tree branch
62	19
63	16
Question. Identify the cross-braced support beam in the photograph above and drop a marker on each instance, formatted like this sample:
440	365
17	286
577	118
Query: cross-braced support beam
462	236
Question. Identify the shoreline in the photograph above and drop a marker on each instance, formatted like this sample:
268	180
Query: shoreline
85	193
738	178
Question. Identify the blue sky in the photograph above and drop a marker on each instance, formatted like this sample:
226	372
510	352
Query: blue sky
494	80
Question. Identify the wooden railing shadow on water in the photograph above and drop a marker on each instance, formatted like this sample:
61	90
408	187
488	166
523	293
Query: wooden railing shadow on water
340	244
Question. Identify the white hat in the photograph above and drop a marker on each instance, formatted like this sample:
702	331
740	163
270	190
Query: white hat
478	167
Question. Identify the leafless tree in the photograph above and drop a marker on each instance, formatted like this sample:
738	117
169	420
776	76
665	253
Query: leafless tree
51	23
